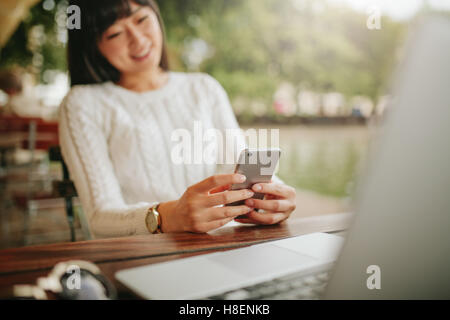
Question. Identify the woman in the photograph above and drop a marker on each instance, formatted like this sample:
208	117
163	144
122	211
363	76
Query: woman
116	125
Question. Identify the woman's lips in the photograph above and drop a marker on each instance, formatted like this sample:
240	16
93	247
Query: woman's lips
142	56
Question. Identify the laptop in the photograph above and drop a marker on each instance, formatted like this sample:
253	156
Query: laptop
398	246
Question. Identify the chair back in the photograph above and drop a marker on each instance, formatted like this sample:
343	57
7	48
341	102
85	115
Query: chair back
38	133
65	188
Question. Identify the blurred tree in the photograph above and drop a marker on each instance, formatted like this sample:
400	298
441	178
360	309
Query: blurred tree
44	51
251	46
259	43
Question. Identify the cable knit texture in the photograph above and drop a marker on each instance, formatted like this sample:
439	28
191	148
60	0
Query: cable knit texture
118	143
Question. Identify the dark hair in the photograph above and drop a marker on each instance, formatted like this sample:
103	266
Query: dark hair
86	64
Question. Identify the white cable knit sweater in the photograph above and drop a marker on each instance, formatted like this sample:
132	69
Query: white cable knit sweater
117	146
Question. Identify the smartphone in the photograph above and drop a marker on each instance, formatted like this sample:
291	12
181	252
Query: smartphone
258	166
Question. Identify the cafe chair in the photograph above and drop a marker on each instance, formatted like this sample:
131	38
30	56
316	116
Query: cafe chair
65	189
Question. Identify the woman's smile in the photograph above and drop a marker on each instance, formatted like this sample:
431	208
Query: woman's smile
143	55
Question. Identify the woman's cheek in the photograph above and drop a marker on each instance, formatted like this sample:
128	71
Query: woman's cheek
119	59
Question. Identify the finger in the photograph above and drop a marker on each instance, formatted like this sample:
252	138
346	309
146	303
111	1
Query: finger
208	226
228	197
220	189
270	197
226	212
271	205
217	181
267	217
276	189
245	220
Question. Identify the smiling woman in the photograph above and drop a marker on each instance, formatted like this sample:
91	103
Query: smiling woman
134	45
116	125
101	47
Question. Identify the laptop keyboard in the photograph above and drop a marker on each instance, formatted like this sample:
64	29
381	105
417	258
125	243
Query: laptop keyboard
292	287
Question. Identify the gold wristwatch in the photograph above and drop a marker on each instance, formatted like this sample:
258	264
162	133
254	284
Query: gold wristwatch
153	220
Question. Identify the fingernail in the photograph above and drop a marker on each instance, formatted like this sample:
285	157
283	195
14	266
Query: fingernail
250	202
257	187
241	178
250	193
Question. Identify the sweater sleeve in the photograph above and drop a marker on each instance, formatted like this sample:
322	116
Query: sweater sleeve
224	119
85	151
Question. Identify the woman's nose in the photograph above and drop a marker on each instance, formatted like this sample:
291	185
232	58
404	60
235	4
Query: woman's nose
137	38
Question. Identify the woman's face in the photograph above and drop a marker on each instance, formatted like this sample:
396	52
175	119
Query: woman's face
133	44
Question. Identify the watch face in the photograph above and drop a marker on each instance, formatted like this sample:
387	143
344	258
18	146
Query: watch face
152	222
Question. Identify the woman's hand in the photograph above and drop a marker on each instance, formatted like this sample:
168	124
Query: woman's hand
197	211
278	204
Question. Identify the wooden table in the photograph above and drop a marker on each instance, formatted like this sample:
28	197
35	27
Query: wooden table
25	265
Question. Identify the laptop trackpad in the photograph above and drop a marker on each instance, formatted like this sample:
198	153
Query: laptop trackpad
261	260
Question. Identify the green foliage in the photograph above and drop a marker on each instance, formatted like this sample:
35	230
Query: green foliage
17	51
256	44
259	43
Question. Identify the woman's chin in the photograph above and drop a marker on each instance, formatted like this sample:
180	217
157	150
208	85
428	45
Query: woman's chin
141	67
148	64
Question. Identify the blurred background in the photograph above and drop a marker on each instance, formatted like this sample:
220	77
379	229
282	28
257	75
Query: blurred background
318	70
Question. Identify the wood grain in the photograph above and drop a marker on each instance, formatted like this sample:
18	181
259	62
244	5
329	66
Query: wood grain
25	265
